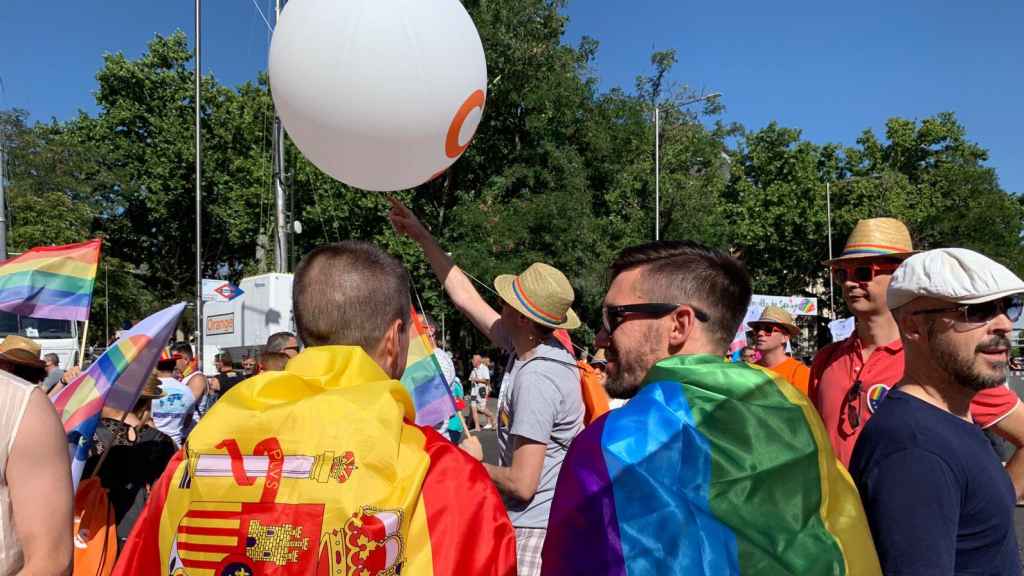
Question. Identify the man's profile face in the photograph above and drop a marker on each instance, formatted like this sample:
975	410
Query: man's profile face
974	355
50	366
768	336
636	344
866	297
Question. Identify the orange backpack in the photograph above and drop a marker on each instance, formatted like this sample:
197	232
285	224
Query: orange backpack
595	397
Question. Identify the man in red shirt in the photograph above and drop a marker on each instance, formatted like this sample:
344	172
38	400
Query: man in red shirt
772	331
850	378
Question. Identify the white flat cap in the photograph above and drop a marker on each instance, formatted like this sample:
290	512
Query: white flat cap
952	274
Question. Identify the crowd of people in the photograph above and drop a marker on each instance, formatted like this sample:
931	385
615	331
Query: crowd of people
313	445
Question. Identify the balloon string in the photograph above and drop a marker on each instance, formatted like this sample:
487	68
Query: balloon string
265	21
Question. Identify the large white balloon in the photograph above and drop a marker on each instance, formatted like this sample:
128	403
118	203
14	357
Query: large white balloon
381	94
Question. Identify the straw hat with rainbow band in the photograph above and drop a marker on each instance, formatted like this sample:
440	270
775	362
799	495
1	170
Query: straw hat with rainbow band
542	294
877	238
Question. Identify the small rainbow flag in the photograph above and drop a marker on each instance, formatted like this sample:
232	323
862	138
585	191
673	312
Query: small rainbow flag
424	380
712	469
51	281
115	379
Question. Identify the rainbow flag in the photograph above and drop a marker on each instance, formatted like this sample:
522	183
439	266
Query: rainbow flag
316	471
424	379
51	281
115	379
712	469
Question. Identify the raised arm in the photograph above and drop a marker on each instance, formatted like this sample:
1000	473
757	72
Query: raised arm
458	286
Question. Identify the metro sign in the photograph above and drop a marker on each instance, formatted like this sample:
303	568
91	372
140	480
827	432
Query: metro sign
220	291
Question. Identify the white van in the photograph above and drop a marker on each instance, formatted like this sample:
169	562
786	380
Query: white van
59	337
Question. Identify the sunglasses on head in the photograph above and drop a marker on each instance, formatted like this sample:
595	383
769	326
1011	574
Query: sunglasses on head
613	316
983	312
862	273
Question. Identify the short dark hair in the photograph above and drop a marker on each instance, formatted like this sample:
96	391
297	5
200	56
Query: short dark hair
183	348
52	358
685	272
349	293
273	360
225	358
278	341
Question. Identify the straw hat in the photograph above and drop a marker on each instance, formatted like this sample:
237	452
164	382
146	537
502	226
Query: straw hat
776	315
877	237
21	350
599	358
542	294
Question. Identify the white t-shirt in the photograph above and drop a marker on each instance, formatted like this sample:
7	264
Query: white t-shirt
173	413
481	372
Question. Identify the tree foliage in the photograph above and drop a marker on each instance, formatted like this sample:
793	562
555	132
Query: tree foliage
559	172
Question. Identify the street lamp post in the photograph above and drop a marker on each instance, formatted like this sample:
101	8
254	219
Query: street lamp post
657	159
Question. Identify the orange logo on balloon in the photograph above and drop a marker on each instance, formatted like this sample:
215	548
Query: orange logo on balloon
451	144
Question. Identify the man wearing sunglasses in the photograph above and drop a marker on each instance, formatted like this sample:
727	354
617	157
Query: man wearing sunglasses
632	495
772	331
850	378
937	497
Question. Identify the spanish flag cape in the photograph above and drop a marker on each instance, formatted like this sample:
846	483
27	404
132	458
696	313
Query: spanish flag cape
712	469
317	470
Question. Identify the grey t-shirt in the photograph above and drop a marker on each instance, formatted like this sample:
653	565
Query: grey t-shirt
541	401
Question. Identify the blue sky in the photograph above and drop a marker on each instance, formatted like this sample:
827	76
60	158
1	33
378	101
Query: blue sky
831	69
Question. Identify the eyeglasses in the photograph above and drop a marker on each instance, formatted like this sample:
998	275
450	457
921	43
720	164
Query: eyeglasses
766	328
983	312
862	273
613	316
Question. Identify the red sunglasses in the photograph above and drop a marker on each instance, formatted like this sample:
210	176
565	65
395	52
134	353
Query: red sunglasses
861	273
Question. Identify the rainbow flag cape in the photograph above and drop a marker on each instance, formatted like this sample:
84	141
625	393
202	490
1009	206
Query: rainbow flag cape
51	281
424	379
316	470
115	379
712	469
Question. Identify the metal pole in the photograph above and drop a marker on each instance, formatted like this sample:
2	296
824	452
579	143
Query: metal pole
106	304
281	244
199	193
828	210
3	201
657	176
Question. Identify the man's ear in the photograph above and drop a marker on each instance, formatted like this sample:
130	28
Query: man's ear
393	349
683	325
911	327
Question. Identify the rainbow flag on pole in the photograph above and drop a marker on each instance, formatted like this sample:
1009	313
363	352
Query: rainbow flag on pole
51	281
424	380
712	469
115	379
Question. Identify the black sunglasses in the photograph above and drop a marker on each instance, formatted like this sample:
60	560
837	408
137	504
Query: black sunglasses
983	312
613	316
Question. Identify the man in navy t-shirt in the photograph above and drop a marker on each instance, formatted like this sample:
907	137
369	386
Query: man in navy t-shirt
938	500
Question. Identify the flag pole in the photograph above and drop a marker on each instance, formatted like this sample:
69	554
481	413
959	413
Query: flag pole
81	347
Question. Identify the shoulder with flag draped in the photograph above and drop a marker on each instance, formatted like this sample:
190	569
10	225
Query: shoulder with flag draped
731	456
319	470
